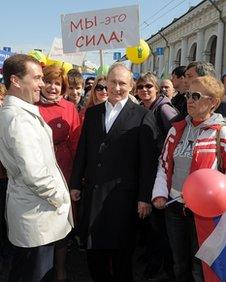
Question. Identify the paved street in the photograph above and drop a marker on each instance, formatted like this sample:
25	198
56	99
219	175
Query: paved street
78	270
77	267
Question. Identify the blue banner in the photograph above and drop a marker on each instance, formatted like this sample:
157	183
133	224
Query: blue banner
3	56
87	74
7	49
117	55
159	51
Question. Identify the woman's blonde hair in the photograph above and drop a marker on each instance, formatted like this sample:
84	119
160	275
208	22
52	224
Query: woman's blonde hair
149	77
92	100
213	87
2	89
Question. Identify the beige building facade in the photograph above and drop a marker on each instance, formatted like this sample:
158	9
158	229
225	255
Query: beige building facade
198	35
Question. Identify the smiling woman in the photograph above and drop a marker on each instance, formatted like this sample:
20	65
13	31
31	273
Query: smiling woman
98	93
149	92
55	83
63	118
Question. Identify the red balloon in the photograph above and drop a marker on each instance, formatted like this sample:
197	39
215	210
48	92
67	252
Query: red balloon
204	192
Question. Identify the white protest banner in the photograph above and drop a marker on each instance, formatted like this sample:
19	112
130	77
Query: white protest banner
102	29
56	53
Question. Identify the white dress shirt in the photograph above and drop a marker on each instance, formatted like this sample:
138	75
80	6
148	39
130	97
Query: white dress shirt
112	112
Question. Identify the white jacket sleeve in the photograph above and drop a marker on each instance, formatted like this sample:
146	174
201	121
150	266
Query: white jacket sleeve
160	187
25	144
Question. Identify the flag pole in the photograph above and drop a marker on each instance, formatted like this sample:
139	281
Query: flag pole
172	201
101	58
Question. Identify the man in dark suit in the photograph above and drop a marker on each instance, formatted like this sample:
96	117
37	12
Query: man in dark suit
116	161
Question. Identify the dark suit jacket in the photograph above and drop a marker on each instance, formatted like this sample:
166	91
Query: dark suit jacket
118	169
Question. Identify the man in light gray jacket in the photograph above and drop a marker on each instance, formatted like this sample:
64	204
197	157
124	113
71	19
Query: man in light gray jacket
38	207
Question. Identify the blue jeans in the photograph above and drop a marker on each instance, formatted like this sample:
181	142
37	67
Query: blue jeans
181	230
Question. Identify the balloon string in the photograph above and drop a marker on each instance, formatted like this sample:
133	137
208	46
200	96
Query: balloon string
172	201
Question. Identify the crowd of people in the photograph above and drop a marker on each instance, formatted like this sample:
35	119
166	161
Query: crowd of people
98	159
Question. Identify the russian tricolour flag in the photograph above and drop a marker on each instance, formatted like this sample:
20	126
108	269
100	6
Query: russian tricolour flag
213	249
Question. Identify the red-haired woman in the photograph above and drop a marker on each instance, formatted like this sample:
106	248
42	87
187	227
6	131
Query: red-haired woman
63	119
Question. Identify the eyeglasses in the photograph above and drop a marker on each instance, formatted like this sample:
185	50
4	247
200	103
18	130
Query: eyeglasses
100	87
147	86
195	96
164	87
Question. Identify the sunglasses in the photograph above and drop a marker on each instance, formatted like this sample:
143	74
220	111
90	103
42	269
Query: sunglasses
100	87
195	96
147	86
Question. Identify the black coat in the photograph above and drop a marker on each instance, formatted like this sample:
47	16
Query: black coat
118	169
180	103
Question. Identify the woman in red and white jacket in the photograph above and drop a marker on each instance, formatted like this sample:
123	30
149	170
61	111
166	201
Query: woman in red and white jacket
190	145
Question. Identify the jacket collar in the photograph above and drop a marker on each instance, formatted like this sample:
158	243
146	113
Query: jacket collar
179	125
215	122
14	101
46	103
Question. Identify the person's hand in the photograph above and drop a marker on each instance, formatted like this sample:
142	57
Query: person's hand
62	202
159	202
144	209
75	195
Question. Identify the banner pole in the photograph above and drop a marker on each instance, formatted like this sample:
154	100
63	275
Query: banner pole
101	58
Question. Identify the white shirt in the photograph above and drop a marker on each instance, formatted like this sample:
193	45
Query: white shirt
112	112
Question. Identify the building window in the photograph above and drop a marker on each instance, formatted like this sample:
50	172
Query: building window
177	62
211	50
192	53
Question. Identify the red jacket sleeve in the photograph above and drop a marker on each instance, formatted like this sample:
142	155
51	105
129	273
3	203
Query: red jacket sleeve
74	130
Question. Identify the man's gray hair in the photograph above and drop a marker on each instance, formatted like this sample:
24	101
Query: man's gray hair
202	68
116	65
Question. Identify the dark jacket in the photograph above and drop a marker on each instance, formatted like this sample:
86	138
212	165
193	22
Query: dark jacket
164	113
222	108
180	103
118	169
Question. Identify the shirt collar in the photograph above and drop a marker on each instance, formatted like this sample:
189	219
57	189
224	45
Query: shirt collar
15	101
119	105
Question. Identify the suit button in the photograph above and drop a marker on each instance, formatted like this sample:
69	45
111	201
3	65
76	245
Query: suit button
96	186
99	165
